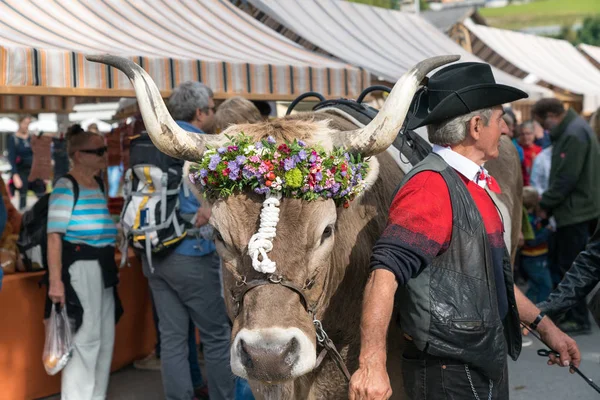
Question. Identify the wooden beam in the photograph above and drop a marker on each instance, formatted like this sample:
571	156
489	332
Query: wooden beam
81	92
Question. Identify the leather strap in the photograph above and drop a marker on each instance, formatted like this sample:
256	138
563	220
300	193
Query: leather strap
537	320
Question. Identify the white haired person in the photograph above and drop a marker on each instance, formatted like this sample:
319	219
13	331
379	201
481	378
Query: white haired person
443	251
82	268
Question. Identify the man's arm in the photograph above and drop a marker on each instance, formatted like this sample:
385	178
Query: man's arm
372	380
554	337
579	280
567	169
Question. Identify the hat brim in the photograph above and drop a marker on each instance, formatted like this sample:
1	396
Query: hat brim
464	101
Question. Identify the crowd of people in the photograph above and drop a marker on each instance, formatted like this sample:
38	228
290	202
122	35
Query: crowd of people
560	159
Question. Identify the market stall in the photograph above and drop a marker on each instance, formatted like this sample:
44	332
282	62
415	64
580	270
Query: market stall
22	331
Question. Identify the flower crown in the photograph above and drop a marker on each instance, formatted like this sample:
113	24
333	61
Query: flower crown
291	169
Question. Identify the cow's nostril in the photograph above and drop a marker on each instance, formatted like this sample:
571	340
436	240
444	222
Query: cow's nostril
290	351
245	356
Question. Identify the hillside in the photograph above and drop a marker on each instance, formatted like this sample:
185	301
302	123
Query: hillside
541	13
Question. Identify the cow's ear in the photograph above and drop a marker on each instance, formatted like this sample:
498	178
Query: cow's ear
372	175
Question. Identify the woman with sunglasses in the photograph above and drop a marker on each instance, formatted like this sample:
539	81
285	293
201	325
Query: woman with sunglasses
82	268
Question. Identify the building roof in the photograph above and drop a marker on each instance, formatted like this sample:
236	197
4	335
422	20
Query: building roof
551	62
446	18
42	48
385	42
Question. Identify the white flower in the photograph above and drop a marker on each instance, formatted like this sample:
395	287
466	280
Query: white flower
277	184
210	152
249	149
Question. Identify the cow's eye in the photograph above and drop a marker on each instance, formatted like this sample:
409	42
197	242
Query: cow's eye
327	233
217	235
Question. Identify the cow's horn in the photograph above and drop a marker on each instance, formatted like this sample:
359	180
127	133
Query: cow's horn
383	129
167	136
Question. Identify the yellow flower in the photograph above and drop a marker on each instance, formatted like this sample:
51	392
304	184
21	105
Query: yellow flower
294	178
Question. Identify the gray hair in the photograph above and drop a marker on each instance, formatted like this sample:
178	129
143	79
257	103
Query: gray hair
187	98
527	125
454	131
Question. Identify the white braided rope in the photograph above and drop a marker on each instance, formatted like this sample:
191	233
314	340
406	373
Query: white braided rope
262	241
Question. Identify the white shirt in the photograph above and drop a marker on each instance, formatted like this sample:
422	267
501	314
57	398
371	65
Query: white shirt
540	172
462	164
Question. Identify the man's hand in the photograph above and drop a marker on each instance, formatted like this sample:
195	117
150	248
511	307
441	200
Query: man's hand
371	382
17	181
202	217
560	342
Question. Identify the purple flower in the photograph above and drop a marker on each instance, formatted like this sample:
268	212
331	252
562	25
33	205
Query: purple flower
247	174
336	187
288	164
318	176
258	145
347	156
234	170
301	143
302	154
318	188
192	177
240	160
343	192
221	150
312	158
214	162
271	140
358	177
203	173
262	190
343	173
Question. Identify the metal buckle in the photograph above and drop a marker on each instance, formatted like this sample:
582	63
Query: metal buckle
320	332
275	278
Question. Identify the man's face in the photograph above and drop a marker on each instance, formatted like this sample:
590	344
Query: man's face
527	137
488	136
206	118
548	122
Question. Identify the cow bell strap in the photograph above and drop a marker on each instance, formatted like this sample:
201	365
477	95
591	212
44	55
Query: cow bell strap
330	348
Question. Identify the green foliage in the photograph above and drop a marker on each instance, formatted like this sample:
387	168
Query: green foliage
541	13
590	31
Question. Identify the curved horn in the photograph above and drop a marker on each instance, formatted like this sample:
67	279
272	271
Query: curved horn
167	136
383	129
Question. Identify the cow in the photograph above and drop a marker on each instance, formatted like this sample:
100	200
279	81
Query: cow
321	250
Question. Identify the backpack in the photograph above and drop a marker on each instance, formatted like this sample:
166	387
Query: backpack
150	218
33	240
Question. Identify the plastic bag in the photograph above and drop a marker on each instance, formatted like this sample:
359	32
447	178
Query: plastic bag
59	340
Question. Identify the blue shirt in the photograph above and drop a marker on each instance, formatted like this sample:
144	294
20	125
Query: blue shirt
89	222
192	246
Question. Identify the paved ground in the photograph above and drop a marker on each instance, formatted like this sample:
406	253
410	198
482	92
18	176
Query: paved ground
530	377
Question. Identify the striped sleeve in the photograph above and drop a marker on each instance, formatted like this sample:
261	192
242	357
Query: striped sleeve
60	206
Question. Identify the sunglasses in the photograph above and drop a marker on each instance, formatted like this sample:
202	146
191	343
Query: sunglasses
99	151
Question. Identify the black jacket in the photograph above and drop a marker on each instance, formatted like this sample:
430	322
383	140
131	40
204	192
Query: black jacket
450	309
579	280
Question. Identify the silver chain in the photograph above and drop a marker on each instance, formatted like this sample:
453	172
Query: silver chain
473	387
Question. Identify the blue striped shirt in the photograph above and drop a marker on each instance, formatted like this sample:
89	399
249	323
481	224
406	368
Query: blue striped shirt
88	223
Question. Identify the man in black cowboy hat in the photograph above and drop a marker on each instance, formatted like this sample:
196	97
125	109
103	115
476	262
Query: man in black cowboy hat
443	249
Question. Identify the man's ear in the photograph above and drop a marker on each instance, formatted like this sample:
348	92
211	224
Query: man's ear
475	126
199	115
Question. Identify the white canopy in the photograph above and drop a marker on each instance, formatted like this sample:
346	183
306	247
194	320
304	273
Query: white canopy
552	61
8	125
44	125
103	127
384	42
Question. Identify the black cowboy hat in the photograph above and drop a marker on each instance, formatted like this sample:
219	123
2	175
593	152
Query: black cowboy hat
459	89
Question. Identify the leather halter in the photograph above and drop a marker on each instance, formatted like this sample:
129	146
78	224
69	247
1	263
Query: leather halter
322	337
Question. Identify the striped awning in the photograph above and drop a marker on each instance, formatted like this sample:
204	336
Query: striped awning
553	63
592	53
43	46
385	42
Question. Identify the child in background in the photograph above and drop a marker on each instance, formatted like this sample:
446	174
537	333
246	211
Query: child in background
534	254
530	149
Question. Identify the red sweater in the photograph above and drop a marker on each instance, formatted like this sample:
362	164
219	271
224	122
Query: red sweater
529	154
420	228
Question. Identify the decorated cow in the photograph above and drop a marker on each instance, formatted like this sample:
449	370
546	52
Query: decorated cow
297	205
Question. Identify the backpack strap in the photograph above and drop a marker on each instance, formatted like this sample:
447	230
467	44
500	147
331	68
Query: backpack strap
75	189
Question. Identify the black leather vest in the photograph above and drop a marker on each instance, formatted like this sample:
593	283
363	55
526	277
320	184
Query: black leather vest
450	307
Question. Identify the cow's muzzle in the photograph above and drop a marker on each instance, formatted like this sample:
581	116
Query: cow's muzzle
272	354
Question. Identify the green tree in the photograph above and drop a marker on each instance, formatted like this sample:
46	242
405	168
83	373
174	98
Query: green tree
590	31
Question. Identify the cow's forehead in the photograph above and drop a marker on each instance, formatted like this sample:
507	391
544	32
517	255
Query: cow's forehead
300	225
